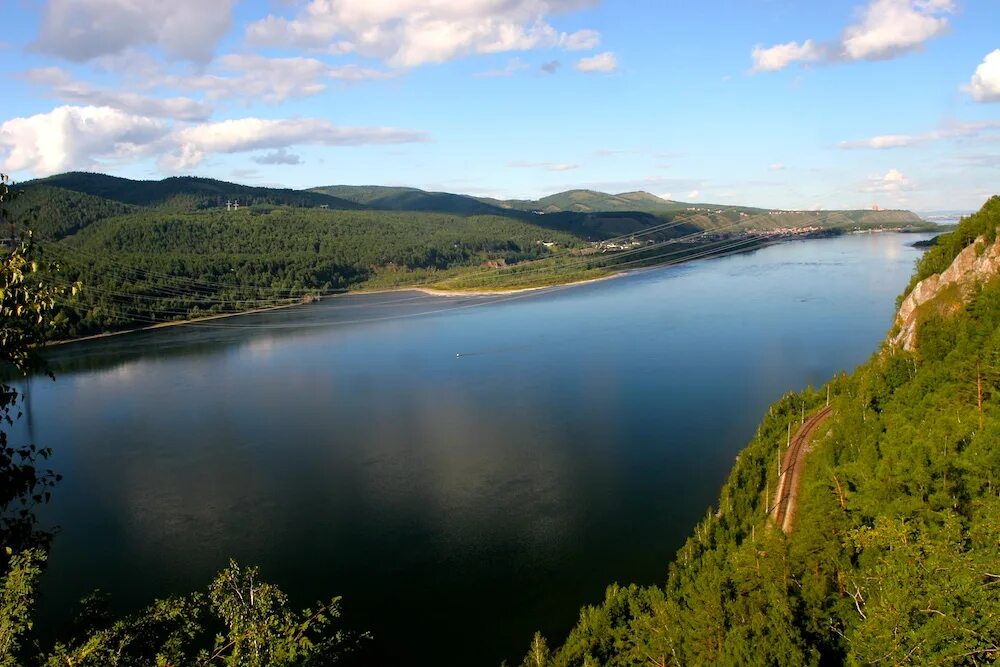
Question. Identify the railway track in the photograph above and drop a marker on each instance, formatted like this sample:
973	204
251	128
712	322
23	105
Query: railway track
786	496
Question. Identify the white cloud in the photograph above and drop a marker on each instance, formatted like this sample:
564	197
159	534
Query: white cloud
61	84
694	194
547	166
885	29
952	131
75	138
193	143
777	166
781	56
81	30
272	80
891	27
985	83
81	137
408	33
602	62
582	40
892	181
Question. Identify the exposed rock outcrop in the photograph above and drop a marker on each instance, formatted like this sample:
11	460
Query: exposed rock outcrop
977	263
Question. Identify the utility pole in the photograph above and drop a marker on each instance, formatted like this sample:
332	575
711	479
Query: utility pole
979	392
827	395
803	413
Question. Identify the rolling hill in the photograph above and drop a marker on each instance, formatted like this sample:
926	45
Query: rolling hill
409	199
186	192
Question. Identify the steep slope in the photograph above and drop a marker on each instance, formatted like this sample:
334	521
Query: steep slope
949	274
55	213
185	192
894	555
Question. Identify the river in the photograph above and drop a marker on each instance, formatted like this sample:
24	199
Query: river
463	471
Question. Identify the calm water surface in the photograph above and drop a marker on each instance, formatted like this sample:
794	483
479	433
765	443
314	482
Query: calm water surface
458	503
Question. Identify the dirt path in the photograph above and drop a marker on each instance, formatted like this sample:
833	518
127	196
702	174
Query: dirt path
786	496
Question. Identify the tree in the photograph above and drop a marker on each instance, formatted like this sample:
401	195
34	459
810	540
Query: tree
27	303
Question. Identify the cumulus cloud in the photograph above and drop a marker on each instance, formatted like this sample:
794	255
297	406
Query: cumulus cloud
81	30
694	194
547	166
75	138
781	56
602	62
885	29
81	137
889	28
953	131
892	181
551	67
985	83
194	142
280	156
777	166
408	33
62	85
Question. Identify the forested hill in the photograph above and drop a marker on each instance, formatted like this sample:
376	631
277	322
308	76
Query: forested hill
410	199
149	252
895	554
185	192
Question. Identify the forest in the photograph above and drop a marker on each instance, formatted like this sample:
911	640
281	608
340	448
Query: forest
151	252
894	555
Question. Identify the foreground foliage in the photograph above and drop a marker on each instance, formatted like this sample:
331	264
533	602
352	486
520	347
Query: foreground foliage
895	557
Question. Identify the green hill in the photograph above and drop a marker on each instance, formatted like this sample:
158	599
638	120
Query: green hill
55	213
409	199
185	192
590	201
896	543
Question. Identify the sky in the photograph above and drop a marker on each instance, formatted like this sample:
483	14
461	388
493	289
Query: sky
772	103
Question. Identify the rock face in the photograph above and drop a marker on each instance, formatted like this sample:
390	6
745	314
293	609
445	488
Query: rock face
975	264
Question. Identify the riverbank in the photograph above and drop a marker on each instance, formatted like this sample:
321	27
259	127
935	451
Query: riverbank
429	291
443	293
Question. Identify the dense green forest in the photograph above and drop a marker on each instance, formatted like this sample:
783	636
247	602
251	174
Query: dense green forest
151	252
895	554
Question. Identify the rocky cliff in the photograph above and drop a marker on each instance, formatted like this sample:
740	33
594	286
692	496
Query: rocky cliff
945	292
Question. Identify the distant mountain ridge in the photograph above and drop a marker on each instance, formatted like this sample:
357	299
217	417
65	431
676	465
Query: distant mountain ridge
591	201
198	192
389	198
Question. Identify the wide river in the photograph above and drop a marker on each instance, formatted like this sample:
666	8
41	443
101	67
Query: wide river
463	471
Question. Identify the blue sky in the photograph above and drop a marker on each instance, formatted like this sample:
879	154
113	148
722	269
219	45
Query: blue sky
762	102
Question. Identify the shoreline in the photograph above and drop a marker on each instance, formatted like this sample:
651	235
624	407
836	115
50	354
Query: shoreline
429	291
